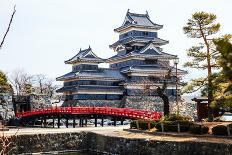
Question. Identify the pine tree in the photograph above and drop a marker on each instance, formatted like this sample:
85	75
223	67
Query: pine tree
202	26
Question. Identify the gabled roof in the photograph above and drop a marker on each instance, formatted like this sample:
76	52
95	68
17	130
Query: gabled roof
151	49
85	55
90	88
139	39
148	51
138	20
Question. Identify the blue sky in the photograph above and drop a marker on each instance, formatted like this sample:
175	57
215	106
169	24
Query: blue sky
47	32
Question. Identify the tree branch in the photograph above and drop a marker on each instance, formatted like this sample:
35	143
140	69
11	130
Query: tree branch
8	28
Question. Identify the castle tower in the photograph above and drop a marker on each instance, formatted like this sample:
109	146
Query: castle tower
141	59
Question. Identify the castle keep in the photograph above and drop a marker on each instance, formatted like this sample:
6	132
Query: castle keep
139	63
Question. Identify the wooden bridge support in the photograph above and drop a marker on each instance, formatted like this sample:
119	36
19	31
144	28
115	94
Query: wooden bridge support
66	124
41	120
53	122
81	122
45	122
33	121
74	122
115	121
86	121
58	123
102	122
95	122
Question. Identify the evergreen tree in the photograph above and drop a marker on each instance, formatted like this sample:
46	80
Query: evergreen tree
202	26
223	80
5	87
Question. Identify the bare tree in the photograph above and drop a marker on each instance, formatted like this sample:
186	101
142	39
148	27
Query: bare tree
41	81
50	87
161	92
22	82
8	28
44	85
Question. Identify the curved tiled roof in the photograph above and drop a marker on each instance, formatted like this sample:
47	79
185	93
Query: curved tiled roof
91	87
99	73
85	55
138	20
150	68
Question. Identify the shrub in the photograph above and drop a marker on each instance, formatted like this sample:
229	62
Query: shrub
219	130
198	129
175	117
143	124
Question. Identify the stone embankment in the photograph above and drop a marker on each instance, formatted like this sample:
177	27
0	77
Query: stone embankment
119	142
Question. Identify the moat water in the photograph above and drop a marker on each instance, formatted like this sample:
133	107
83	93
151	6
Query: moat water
80	153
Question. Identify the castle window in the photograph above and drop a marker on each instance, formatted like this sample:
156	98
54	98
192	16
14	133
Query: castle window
145	33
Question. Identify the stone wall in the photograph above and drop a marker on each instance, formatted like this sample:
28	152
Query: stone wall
6	106
114	145
48	142
117	145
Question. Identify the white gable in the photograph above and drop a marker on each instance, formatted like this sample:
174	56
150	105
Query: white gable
151	46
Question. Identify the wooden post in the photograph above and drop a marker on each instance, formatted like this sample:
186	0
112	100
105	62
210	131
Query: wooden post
201	128
149	125
137	124
162	127
228	130
178	127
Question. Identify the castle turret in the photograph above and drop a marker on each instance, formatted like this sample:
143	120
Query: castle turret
87	84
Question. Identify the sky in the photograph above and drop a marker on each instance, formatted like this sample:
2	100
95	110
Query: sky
45	33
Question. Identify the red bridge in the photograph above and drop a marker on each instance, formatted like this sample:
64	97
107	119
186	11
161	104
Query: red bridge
86	113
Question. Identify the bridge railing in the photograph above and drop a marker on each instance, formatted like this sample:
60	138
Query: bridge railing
125	112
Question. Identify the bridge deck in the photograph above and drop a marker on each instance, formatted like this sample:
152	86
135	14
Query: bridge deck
111	111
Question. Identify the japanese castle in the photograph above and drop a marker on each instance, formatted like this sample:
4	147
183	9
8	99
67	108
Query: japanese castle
138	59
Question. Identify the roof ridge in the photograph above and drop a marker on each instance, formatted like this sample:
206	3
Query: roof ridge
137	14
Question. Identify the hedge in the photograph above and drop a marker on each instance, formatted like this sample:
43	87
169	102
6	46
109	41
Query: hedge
172	126
198	129
143	125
